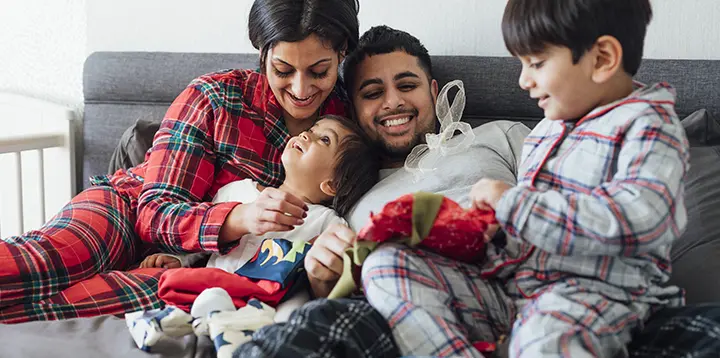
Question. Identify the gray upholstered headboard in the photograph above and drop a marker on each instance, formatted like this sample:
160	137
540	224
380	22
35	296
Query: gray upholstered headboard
121	87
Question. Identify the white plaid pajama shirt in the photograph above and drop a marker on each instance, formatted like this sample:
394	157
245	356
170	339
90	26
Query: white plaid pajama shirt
591	222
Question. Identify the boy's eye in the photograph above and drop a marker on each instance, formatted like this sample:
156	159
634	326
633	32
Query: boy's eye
325	139
537	65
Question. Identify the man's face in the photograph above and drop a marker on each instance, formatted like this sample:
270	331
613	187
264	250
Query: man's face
395	102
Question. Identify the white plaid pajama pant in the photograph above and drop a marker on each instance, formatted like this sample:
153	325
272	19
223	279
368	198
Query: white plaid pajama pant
439	307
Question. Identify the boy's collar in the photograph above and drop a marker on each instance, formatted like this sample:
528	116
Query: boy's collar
659	93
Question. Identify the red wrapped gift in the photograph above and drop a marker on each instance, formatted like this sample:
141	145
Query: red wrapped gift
454	232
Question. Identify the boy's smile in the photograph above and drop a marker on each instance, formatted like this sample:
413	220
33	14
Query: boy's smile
565	91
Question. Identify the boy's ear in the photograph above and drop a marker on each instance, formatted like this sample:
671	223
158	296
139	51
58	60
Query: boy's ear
608	58
328	188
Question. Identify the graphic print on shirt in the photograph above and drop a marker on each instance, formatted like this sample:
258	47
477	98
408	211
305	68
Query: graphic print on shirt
278	260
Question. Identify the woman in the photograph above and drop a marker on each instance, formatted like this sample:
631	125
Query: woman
223	127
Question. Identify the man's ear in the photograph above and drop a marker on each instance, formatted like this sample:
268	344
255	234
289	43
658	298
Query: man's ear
608	58
434	90
328	188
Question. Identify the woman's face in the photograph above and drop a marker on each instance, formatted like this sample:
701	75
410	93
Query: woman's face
301	75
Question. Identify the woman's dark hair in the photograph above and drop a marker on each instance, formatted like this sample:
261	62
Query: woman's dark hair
530	25
273	21
357	166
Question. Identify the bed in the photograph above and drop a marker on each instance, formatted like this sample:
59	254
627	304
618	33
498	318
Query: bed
126	92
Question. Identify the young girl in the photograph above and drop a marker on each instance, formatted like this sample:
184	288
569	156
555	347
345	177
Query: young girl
331	164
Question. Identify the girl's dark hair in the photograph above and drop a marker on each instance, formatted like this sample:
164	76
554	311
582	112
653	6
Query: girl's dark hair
273	21
530	25
357	166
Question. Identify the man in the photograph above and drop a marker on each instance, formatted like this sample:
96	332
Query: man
389	79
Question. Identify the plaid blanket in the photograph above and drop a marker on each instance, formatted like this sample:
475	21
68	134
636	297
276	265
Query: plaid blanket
352	328
691	331
325	328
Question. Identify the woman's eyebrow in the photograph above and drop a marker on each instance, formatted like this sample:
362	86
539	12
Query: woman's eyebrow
313	65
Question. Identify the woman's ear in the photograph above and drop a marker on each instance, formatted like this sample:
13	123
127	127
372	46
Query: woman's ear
328	188
608	53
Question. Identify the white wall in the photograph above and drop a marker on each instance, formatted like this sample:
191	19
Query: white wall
42	49
43	45
681	29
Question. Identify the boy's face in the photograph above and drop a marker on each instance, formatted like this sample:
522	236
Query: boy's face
565	91
395	101
310	157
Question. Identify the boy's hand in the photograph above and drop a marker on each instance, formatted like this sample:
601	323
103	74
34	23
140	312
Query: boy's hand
161	261
487	192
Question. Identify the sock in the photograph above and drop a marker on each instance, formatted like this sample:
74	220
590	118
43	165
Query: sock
210	300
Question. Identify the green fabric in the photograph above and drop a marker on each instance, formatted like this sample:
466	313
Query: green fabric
424	211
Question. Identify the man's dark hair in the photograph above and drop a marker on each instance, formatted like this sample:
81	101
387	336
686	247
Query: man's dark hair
273	21
357	166
528	26
382	40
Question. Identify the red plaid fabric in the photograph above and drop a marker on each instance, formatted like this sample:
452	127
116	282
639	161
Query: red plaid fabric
223	127
113	292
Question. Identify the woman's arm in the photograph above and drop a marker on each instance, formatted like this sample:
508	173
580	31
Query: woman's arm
179	173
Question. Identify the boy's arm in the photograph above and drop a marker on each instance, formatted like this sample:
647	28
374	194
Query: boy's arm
640	209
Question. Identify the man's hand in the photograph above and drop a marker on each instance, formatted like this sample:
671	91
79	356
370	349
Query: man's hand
161	261
487	192
324	260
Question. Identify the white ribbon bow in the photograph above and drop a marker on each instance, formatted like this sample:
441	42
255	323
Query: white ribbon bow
425	157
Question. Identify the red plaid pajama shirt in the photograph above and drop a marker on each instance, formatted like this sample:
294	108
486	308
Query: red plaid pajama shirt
223	127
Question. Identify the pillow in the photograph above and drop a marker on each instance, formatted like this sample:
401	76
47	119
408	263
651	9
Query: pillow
701	130
134	143
696	267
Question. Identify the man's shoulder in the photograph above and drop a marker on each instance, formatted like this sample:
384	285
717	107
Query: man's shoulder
505	128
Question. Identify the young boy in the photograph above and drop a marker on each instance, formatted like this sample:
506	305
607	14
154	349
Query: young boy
599	199
331	164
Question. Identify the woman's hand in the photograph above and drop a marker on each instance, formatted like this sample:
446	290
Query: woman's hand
161	261
324	260
274	210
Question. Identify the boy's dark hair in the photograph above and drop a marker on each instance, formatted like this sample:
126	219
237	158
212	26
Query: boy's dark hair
382	40
273	21
357	166
530	25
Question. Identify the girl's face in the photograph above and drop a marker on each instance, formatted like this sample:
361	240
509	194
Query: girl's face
310	157
302	75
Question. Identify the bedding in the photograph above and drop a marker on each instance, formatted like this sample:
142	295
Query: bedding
121	87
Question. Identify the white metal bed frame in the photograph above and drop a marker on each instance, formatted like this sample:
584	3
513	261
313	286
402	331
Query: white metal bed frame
37	161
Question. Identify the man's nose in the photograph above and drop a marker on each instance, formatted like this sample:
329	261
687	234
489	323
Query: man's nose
394	99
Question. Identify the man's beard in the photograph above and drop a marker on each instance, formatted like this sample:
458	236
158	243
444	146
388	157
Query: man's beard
398	153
